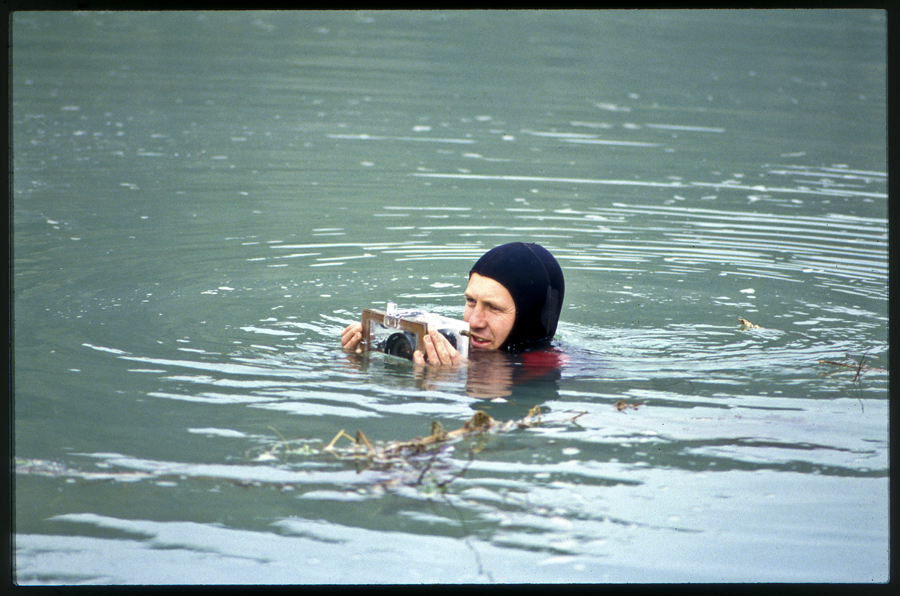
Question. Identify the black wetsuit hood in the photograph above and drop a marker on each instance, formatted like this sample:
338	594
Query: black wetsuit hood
535	281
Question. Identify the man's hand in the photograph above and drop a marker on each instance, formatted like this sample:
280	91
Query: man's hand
351	336
438	351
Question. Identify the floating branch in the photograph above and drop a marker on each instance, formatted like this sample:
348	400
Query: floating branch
405	455
479	424
853	364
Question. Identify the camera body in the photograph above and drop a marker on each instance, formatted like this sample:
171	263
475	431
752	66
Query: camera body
399	332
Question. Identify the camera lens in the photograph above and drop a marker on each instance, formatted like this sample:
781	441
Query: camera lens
399	344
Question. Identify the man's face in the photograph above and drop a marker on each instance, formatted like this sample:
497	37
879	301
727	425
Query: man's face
490	312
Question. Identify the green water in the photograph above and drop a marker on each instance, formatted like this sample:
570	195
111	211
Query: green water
201	201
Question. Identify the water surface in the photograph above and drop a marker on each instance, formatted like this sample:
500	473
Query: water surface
203	200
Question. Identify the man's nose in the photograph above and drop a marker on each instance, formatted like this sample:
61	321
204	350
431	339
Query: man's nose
476	316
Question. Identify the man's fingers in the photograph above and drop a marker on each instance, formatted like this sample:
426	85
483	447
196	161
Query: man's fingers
418	358
439	350
351	336
431	350
449	354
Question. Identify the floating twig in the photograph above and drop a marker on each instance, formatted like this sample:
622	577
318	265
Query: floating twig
855	365
340	434
623	404
745	324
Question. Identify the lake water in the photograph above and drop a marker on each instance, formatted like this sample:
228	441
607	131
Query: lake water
203	200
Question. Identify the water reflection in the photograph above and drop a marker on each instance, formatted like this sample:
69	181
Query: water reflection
528	377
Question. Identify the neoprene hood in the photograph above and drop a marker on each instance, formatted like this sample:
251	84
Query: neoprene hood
535	281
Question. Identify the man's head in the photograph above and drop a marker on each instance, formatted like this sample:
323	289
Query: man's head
490	312
514	297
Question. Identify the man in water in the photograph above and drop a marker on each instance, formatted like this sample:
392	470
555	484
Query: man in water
513	301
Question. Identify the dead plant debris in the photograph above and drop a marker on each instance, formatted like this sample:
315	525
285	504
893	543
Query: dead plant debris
623	404
745	324
853	364
479	424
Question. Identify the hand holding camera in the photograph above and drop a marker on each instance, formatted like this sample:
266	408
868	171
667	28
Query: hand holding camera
438	350
412	334
351	337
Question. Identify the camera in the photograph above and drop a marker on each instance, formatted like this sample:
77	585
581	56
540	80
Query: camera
400	332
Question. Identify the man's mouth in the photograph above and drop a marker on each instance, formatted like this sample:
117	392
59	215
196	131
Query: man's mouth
478	342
